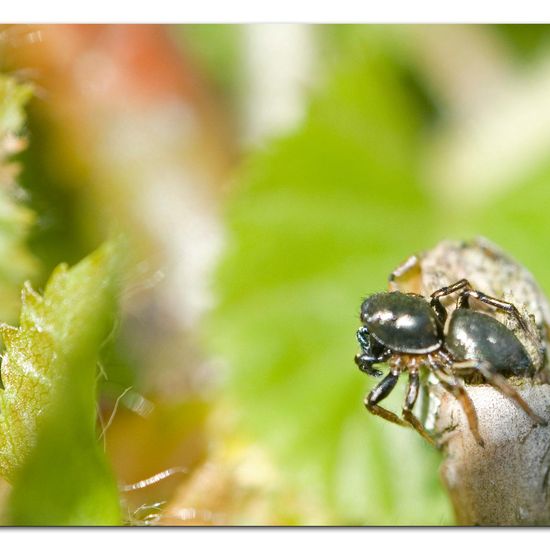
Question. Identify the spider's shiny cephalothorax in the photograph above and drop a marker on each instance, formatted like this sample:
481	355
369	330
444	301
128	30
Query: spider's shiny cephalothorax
409	332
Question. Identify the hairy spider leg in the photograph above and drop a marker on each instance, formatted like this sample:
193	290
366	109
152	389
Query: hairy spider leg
384	388
364	362
366	359
468	292
411	395
507	307
455	386
500	384
381	391
511	309
436	296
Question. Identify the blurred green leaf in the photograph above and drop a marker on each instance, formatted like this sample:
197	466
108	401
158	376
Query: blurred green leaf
319	220
13	97
517	219
48	439
215	50
16	263
525	41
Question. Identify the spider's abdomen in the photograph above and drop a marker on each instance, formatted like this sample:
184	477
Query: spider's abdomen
403	323
473	335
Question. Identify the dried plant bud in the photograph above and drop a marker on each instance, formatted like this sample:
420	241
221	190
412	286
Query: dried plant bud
505	481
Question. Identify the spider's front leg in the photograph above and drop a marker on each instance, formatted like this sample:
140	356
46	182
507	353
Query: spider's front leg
369	356
381	391
413	389
364	362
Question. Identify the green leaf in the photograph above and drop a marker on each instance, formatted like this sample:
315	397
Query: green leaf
216	51
48	440
516	218
16	262
319	220
13	97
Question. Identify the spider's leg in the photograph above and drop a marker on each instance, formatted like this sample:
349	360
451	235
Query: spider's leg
454	386
365	362
369	356
436	296
501	305
381	391
402	270
509	308
501	384
411	396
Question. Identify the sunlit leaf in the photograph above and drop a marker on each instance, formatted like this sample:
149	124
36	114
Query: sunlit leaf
13	97
16	263
48	440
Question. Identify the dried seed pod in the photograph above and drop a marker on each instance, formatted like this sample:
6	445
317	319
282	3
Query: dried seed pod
506	481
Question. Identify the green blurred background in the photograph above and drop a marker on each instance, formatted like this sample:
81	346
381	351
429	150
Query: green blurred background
267	177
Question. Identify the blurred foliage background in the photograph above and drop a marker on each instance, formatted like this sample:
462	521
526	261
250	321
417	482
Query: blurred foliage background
265	179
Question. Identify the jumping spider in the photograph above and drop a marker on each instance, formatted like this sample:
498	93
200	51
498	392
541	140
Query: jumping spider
409	331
